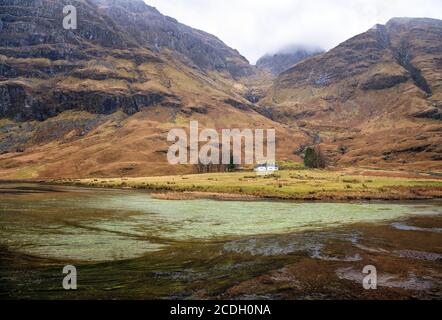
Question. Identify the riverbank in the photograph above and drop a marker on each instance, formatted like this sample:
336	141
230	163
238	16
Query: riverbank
303	185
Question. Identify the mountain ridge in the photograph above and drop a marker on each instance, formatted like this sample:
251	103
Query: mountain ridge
381	83
203	49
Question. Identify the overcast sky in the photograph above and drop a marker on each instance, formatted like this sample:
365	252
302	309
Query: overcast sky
256	27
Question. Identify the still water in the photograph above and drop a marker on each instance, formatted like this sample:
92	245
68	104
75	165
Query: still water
128	245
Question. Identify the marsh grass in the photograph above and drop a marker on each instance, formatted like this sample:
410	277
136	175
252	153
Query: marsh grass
288	184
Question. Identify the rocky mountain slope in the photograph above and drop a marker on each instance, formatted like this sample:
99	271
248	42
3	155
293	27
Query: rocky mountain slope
99	101
116	41
194	47
376	99
283	60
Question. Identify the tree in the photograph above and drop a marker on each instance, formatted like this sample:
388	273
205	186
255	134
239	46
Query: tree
314	158
208	168
232	166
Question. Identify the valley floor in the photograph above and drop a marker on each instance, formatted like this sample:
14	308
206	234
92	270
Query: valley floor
313	185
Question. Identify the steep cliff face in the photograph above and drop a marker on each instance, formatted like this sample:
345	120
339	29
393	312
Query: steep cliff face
377	94
285	59
149	27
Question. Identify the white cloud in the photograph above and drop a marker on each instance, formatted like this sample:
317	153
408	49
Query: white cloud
256	27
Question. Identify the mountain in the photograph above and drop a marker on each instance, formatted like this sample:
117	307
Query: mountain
374	100
284	59
99	100
114	40
148	27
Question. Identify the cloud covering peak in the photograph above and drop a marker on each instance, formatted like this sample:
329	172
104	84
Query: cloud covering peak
257	27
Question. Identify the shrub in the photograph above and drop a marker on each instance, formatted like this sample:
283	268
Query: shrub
314	158
353	181
342	149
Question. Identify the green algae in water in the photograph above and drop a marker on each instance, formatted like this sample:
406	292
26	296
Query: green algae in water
90	225
210	219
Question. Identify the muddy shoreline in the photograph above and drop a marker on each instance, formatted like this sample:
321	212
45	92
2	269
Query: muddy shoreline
412	194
